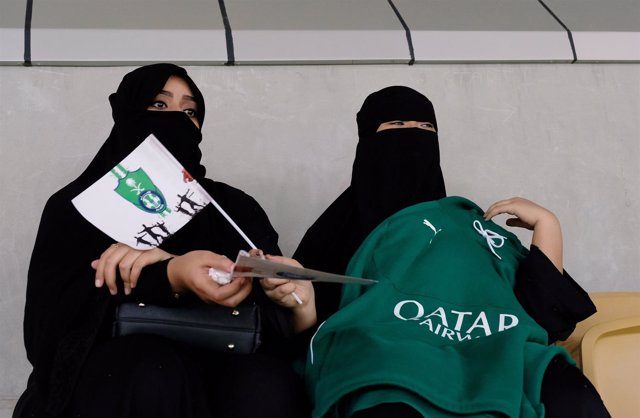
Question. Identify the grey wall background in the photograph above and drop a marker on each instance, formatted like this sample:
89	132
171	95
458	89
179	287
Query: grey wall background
100	32
566	136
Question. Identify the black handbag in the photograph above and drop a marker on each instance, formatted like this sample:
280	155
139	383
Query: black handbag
212	327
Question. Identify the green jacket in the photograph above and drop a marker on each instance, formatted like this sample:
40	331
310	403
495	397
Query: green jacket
442	329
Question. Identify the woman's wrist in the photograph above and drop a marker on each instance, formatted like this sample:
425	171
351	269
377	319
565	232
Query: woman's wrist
547	236
174	276
304	316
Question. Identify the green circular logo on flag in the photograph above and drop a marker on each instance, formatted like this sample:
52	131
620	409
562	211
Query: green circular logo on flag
152	202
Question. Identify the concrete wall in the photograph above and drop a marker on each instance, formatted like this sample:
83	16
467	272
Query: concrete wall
564	135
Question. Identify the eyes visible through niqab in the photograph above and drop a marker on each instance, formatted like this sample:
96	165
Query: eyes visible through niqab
402	124
176	96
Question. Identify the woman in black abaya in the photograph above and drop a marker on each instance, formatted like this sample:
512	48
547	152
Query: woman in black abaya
397	165
78	275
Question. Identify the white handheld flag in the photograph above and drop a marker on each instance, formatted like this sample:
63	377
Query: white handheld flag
146	198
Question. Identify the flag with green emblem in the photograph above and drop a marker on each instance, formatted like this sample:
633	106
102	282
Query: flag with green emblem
144	199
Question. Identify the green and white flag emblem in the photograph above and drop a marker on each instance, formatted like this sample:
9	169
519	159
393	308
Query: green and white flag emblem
137	188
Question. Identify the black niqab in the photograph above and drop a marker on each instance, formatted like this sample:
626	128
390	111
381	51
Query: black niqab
393	103
393	169
134	123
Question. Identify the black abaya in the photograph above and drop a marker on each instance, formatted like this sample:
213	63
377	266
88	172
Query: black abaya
67	319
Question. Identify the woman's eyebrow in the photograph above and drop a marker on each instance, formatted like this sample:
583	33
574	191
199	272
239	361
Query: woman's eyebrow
184	97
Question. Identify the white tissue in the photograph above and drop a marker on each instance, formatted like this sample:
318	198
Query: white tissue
220	277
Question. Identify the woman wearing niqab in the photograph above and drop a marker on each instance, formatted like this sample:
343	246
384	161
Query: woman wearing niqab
397	181
79	370
391	170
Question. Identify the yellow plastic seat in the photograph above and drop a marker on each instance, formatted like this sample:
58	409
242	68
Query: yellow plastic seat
611	360
611	306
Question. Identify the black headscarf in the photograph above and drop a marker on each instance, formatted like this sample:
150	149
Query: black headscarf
393	169
65	314
133	122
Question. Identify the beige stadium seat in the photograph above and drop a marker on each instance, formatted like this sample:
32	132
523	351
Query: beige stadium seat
611	306
611	360
607	348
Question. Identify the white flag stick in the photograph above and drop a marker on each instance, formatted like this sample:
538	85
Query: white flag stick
203	192
240	231
226	216
208	196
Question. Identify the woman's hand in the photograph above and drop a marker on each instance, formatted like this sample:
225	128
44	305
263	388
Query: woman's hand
547	234
527	213
190	272
297	295
129	263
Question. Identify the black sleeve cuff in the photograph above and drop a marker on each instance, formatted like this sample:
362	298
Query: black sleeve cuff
552	298
153	286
